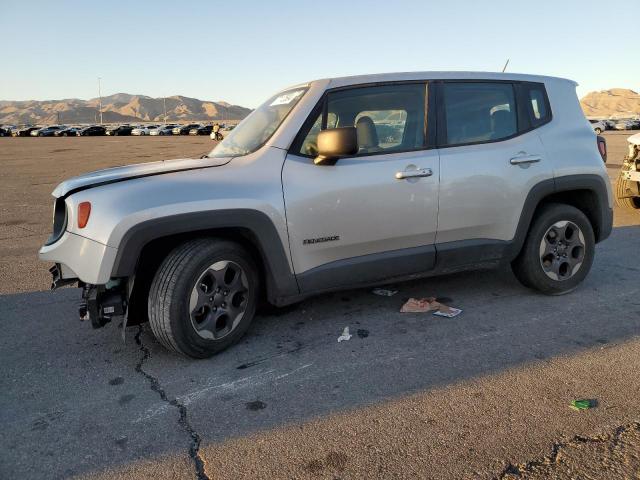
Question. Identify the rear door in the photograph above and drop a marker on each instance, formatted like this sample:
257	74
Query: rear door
490	158
364	218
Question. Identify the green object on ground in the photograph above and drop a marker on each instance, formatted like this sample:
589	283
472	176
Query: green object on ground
583	404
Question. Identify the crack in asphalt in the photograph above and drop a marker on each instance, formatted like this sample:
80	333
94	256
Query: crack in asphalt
183	421
516	471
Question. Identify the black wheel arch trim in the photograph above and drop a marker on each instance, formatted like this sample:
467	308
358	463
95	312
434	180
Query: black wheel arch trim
281	281
282	286
603	215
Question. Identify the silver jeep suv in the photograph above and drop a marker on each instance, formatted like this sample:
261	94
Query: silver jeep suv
335	184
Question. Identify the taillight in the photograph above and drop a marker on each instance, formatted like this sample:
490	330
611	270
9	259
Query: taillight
84	210
602	148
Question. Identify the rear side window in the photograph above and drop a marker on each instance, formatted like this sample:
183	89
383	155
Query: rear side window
477	112
537	104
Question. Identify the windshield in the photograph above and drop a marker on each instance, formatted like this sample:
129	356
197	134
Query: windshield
258	127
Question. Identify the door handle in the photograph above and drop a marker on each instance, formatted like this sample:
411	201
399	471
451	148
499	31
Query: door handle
524	158
418	172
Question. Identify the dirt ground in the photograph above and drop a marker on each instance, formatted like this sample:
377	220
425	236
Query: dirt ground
32	167
510	423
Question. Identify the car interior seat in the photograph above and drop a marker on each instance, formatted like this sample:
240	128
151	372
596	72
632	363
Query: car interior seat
367	135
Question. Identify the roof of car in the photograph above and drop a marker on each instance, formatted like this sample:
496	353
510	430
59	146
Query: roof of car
434	75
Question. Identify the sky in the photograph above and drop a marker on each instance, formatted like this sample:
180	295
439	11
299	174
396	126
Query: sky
244	51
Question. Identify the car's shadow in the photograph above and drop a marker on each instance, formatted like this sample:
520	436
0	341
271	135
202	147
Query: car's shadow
72	388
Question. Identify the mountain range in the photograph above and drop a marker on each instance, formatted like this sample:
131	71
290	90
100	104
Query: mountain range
120	107
124	107
616	103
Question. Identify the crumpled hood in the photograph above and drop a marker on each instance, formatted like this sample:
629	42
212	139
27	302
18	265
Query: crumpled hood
127	172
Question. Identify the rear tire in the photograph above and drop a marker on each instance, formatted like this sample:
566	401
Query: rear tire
558	252
203	297
623	190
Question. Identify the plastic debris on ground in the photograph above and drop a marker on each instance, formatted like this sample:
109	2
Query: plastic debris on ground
429	304
345	335
584	404
384	292
446	311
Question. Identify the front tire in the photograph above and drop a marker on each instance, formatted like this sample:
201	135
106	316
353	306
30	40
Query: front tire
558	252
203	297
598	131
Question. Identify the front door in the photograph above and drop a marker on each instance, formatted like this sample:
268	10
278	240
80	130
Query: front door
373	215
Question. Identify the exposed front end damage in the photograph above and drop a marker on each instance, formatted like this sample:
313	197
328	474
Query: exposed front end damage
628	182
103	303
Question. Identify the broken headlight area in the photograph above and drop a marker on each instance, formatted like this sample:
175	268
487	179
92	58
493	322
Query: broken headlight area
103	303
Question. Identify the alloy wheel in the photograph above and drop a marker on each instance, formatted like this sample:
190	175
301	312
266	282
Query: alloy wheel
218	300
562	250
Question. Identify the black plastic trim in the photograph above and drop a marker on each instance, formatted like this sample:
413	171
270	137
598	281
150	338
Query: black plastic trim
367	269
596	184
60	219
355	272
430	260
281	281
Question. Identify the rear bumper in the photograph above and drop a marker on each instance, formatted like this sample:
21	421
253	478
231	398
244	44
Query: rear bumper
80	258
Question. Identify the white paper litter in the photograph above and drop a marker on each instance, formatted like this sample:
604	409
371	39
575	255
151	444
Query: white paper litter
345	335
453	312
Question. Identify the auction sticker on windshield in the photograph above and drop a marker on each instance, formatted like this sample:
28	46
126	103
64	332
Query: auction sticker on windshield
286	98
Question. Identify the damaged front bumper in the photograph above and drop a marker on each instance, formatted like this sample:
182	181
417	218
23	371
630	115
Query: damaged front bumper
102	303
59	279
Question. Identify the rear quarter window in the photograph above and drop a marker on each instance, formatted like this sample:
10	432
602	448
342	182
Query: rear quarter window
537	104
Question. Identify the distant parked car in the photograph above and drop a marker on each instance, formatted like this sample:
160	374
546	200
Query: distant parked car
598	126
5	131
91	131
623	125
163	130
120	130
143	130
24	131
47	131
66	132
184	129
201	130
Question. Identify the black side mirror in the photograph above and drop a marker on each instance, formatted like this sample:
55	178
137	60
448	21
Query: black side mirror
335	143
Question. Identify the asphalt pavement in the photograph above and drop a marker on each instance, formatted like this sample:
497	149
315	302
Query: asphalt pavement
482	395
79	401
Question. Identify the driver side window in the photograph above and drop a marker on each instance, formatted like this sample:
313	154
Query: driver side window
387	118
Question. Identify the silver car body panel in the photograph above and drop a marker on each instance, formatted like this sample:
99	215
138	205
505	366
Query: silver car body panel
113	174
360	201
482	193
474	193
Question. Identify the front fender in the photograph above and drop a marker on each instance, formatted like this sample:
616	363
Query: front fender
281	282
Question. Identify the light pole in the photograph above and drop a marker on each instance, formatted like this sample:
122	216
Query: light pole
164	103
100	99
